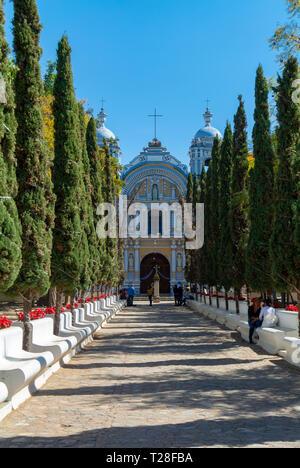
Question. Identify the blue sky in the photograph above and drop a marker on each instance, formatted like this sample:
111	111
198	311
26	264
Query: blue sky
168	54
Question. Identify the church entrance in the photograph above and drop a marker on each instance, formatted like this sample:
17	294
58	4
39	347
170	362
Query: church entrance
148	271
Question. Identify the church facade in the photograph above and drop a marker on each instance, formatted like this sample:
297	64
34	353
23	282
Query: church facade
153	178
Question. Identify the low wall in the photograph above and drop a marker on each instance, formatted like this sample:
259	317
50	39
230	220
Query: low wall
282	339
23	373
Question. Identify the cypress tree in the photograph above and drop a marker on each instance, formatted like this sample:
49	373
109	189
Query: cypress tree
200	259
67	176
261	193
189	193
188	256
225	244
193	265
214	211
207	249
10	227
88	246
283	248
108	194
35	199
96	177
239	224
296	171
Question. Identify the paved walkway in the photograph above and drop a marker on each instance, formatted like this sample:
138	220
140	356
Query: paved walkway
165	378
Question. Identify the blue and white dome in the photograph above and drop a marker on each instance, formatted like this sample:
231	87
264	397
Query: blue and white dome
108	135
202	143
102	131
208	131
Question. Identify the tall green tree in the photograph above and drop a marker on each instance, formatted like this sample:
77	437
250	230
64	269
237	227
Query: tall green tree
261	193
10	226
88	246
283	249
200	254
214	211
225	243
208	245
296	208
189	274
67	177
238	215
35	199
49	77
96	179
108	194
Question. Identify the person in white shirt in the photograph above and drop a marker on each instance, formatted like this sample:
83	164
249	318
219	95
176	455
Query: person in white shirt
268	315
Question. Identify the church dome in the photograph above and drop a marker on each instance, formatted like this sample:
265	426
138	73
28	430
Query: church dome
102	131
208	131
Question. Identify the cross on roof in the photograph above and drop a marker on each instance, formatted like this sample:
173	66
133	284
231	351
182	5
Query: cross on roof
155	121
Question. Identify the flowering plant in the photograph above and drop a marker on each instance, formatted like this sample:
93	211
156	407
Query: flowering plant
50	311
69	306
5	323
292	308
231	298
34	315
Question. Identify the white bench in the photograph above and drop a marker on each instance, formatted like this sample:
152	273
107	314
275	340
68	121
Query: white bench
291	353
212	313
43	339
195	306
79	319
67	329
221	316
272	340
18	368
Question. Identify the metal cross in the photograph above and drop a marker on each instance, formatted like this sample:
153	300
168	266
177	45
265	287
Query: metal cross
155	121
102	100
207	103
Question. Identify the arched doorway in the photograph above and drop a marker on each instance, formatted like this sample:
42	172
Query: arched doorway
148	271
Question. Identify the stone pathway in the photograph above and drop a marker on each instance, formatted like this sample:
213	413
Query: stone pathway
163	378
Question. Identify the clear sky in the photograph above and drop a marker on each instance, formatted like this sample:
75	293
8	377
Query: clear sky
168	54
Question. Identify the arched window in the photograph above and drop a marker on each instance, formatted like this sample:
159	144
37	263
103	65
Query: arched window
155	192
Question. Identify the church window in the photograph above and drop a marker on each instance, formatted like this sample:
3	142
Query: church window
155	192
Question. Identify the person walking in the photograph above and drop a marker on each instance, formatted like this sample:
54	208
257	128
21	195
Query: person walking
180	294
175	291
150	295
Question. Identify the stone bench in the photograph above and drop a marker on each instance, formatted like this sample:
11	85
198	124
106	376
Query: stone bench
272	339
221	316
43	339
67	329
291	353
18	368
80	320
233	321
23	373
